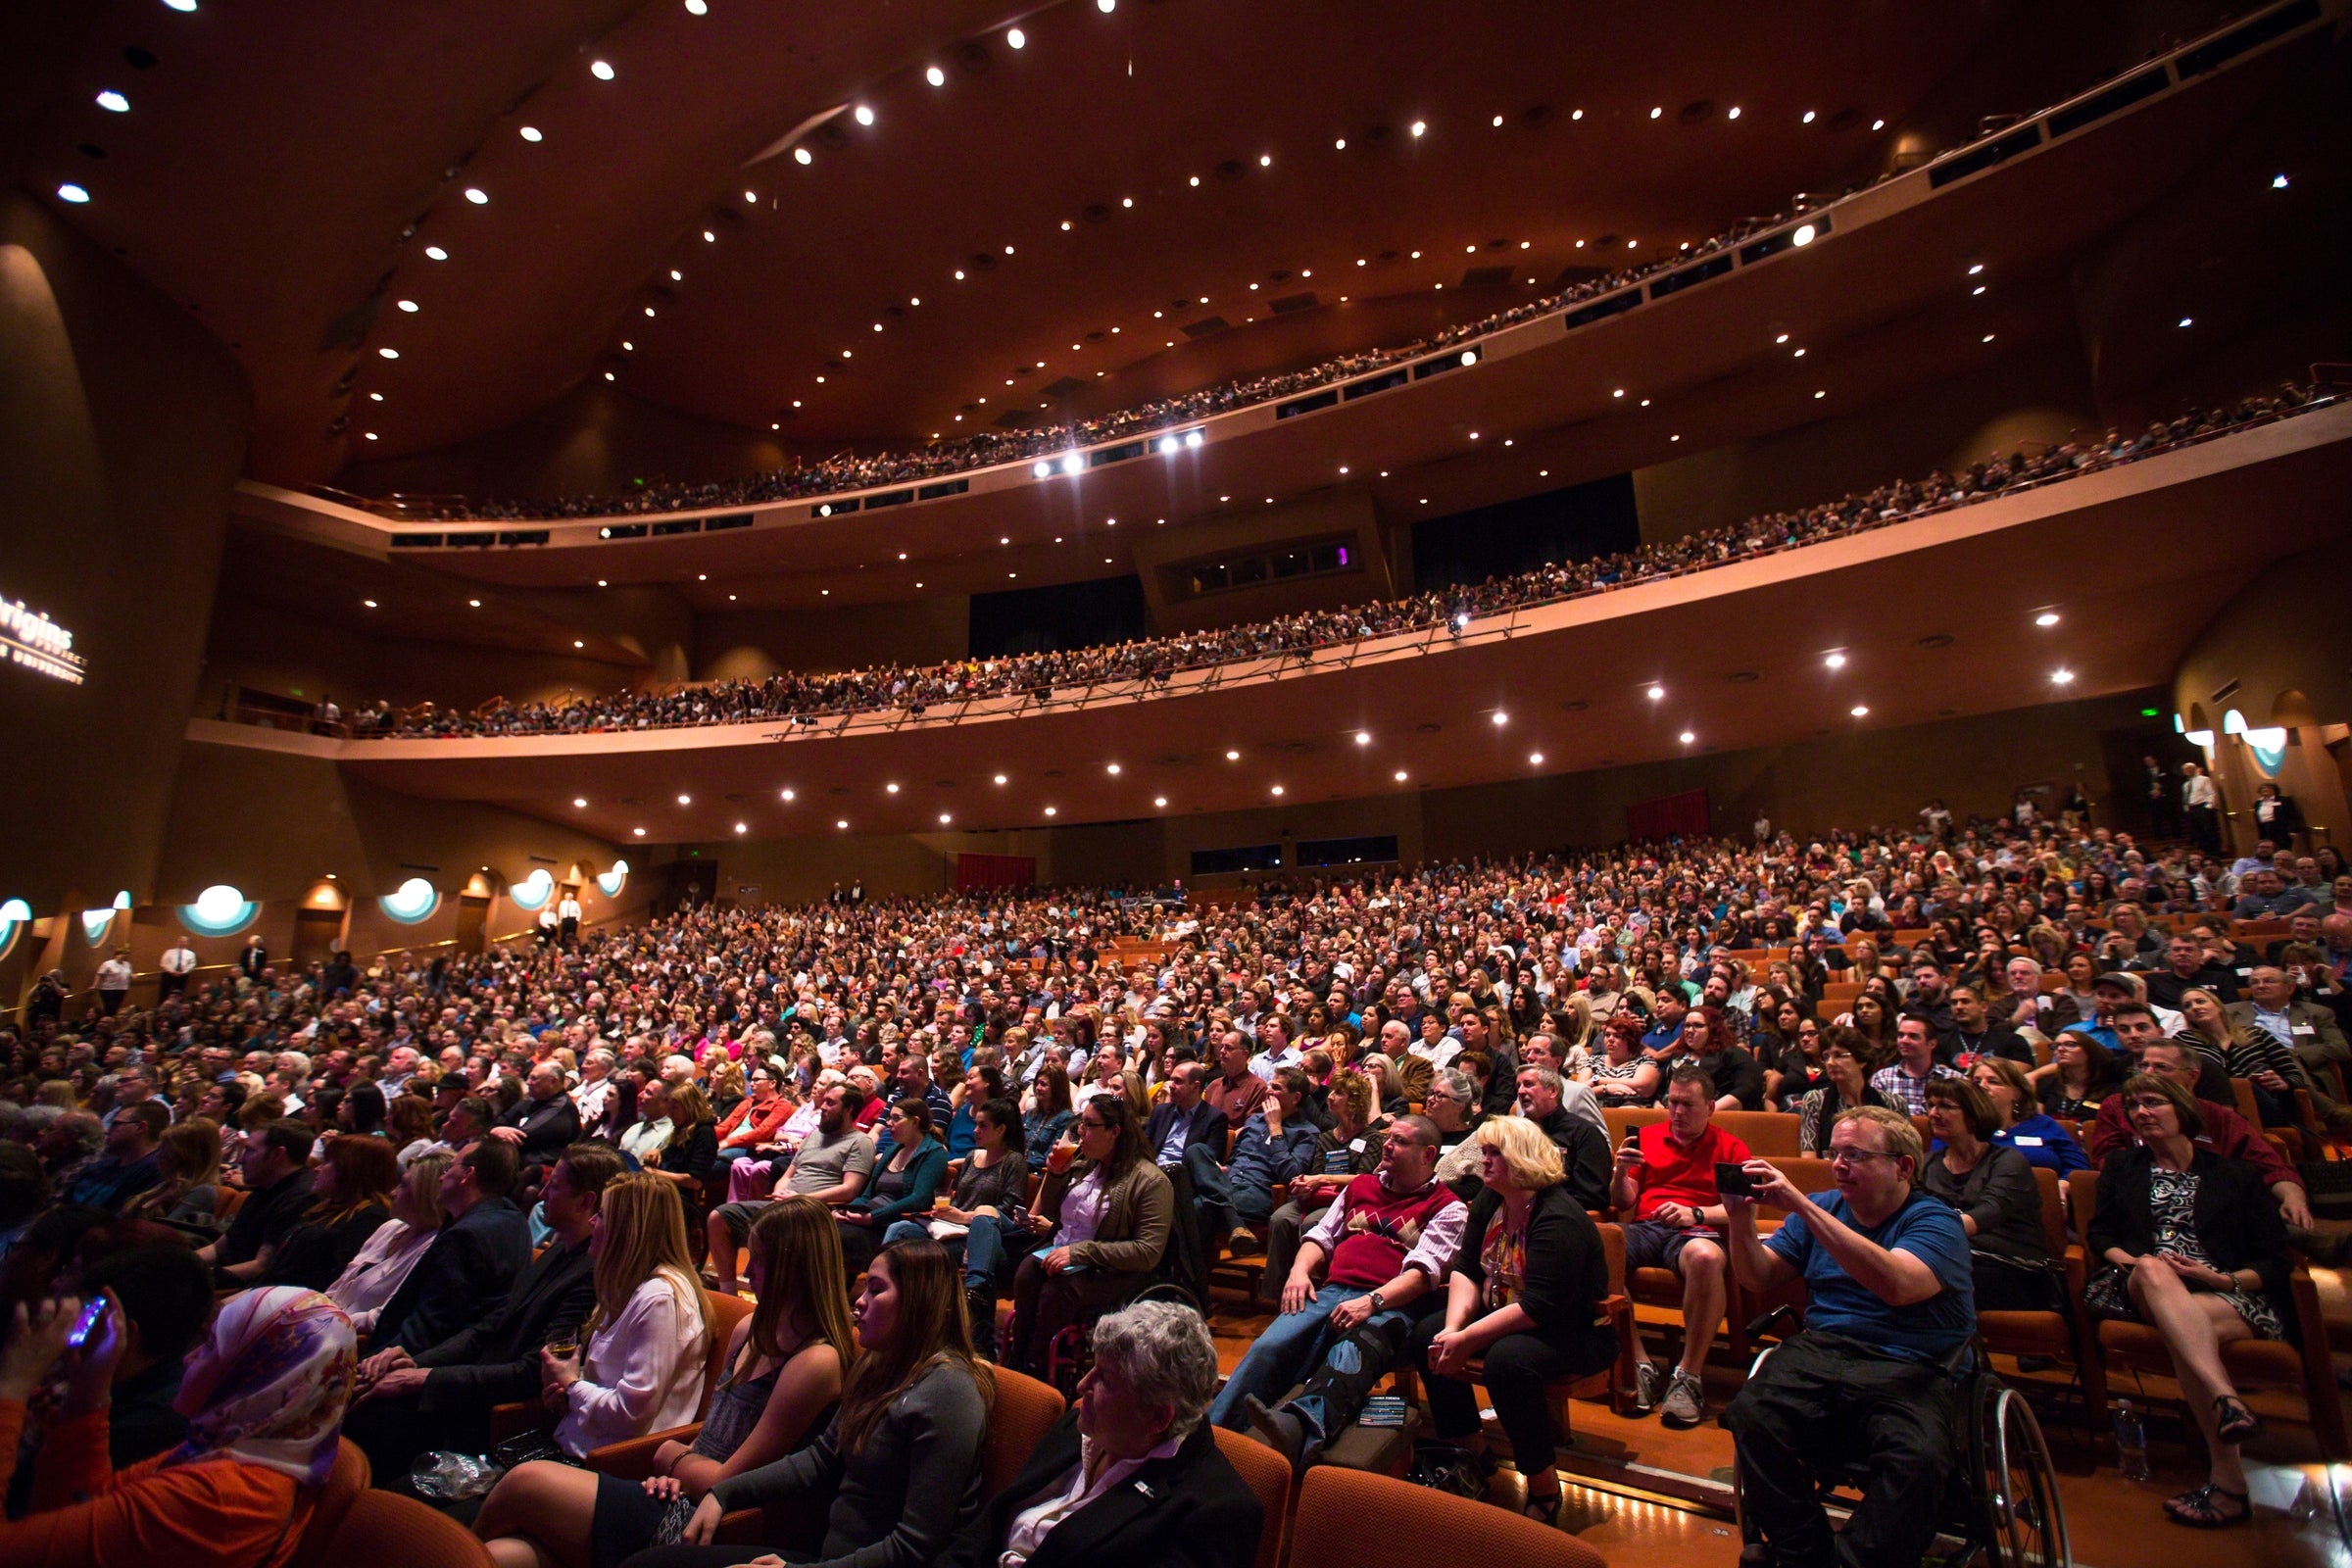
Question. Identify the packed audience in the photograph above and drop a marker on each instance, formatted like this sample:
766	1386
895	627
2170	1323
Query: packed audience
503	1211
802	696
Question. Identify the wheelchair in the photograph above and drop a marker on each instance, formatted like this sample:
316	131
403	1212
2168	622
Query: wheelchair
2000	1507
1070	1354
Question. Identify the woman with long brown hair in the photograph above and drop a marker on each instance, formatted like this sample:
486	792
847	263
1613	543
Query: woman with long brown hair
189	1157
639	1367
351	1195
901	1460
785	1370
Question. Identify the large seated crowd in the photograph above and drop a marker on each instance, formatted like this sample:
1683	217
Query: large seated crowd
806	695
773	1226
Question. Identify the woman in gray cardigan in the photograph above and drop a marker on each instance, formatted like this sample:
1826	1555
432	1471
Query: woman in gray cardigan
900	1465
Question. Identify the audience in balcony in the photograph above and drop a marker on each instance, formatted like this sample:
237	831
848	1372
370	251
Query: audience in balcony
1451	612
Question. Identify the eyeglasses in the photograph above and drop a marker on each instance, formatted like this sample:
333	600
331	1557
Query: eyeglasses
1849	1157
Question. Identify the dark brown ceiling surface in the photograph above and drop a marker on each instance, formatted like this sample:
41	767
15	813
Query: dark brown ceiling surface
1570	679
276	154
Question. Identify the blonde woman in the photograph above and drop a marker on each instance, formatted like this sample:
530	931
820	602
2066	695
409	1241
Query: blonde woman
1573	1040
785	1368
1525	1295
650	1332
386	1258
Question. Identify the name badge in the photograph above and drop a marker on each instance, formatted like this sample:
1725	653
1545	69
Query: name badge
2027	1143
2303	1029
1359	1144
2244	974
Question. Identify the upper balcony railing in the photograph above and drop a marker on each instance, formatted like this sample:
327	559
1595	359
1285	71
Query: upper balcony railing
942	472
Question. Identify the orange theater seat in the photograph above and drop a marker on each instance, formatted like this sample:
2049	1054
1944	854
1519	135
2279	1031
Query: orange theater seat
384	1526
1268	1475
1357	1519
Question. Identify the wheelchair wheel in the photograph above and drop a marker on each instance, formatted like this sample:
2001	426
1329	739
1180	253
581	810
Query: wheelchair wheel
2024	1520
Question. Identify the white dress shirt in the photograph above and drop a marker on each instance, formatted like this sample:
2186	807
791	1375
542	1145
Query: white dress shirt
643	1371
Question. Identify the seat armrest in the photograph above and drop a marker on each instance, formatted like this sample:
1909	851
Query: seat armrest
633	1458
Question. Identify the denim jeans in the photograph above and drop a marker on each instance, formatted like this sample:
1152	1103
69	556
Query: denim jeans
1223	1203
981	1249
1289	1351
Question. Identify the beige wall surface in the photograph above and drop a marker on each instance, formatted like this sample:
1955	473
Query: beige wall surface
755	644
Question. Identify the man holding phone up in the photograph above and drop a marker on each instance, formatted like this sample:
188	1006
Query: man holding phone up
1889	1297
1665	1179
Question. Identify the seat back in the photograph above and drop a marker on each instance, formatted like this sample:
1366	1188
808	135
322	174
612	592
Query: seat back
1805	1173
725	1312
1023	1410
384	1526
2081	1199
1622	1119
1765	1132
1268	1474
1360	1519
344	1483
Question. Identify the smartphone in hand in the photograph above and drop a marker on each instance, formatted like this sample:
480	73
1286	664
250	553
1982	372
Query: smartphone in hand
86	1324
1734	1181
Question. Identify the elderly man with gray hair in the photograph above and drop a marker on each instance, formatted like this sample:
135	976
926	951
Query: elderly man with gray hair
1131	1474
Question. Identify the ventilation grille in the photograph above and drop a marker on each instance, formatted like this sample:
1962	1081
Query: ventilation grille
1203	328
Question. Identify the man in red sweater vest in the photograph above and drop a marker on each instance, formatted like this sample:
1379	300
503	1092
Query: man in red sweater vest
1388	1239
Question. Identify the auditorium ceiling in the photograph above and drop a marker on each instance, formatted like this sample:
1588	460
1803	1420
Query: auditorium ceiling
733	207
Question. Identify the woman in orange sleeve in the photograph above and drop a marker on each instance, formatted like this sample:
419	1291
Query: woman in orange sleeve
263	1395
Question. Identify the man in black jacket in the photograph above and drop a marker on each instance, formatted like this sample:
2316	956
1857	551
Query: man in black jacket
1183	1119
441	1396
482	1247
1584	1148
543	1123
1162	1493
1974	1033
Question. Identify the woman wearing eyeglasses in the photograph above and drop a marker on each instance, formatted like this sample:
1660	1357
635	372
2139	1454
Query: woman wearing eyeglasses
2194	1246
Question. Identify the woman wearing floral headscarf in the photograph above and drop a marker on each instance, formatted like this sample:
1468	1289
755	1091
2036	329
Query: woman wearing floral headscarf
263	1395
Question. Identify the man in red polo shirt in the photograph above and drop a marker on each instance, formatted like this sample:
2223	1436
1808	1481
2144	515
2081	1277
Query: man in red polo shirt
1665	1178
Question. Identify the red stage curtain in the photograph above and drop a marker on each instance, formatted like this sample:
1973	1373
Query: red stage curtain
979	872
1683	815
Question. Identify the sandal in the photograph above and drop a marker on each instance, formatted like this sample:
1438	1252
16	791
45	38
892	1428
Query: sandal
2236	1423
2198	1509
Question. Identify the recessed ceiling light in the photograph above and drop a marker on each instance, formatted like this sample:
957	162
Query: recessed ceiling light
1733	115
602	583
1363	737
1497	122
1233	756
1687	737
743	827
581	800
999	778
530	133
842	823
409	306
2187	320
1107	7
1420	126
891	789
640	832
369	602
1804	235
1656	693
1536	757
115	103
477	195
1835	661
698	7
2062	677
1877	124
577	643
945	819
685	800
935	76
1159	799
600	70
372	435
436	253
1050	812
1277	790
1112	769
799	155
1401	775
474	602
1810	116
709	238
864	115
2048	618
1015	38
1501	717
1821	394
1195	181
787	794
1655	113
1974	292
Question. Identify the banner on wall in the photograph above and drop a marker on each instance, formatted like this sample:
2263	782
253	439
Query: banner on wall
1668	817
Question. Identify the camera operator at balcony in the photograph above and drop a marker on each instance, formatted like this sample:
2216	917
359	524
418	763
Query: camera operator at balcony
1886	1268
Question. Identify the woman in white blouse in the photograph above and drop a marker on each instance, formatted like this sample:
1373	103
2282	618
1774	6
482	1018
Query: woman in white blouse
392	1249
650	1335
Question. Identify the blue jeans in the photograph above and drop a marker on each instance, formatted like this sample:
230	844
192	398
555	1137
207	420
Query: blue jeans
1290	1346
982	1248
1225	1204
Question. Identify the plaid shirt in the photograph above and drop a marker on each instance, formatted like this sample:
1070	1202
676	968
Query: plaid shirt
1909	1095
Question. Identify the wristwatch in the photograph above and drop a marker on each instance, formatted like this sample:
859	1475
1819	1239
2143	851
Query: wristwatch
1380	1303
